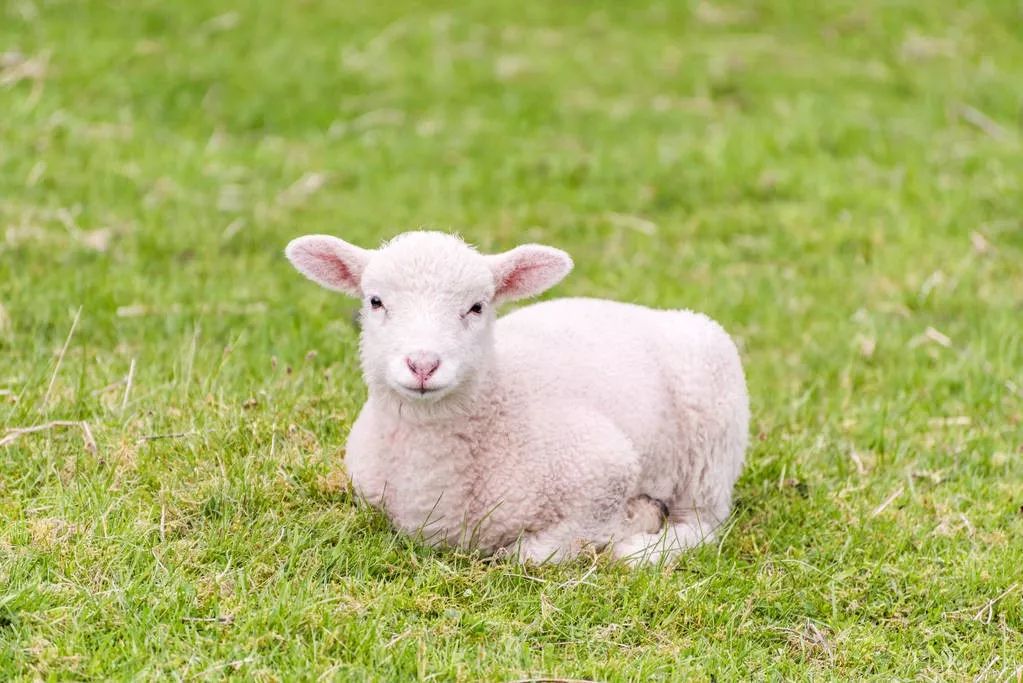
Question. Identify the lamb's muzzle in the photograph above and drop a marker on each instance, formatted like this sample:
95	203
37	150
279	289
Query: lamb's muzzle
565	424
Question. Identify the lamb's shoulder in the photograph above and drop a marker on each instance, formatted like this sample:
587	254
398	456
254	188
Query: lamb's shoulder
480	481
420	475
367	458
459	482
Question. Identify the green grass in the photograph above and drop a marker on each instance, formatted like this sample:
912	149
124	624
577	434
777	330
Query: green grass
841	187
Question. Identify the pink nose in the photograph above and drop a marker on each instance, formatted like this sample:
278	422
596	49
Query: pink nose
422	364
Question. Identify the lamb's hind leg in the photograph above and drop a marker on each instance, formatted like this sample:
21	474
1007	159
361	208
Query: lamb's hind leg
644	514
680	534
594	523
640	515
590	473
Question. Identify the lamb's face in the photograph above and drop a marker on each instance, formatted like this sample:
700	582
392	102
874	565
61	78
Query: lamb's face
428	303
427	316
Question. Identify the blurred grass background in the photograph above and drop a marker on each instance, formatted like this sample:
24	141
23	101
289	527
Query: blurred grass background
838	184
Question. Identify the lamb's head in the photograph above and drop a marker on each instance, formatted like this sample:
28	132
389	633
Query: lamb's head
428	303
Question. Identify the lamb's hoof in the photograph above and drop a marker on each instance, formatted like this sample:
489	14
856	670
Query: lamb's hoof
641	550
645	514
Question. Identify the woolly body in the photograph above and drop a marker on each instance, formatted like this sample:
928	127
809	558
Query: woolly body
561	424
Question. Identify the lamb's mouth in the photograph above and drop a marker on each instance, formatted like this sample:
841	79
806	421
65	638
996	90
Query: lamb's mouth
421	391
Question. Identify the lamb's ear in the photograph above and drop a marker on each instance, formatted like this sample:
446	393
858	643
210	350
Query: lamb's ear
329	261
526	271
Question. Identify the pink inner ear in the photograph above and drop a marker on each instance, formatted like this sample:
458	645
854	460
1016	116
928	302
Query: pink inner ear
325	260
520	279
516	279
529	271
324	265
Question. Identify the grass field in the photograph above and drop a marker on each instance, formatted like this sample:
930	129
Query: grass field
840	186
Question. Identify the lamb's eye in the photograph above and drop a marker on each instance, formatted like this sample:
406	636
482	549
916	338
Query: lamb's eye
477	308
375	302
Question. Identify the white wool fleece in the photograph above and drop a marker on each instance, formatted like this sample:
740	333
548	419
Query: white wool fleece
565	424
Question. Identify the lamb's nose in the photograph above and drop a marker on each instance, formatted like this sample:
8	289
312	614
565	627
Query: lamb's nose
422	364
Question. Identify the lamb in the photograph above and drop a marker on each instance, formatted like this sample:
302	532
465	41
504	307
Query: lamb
565	425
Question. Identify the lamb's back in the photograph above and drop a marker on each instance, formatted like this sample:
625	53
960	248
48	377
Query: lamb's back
572	339
619	359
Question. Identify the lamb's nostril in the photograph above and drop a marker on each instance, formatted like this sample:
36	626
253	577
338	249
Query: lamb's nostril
431	368
422	364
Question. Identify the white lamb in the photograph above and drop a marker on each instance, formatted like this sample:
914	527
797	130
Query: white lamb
566	424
